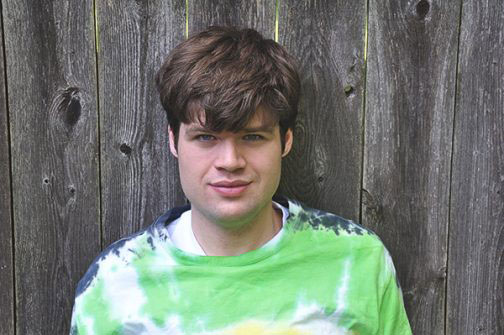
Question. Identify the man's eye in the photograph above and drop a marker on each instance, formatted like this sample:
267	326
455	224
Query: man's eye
253	137
205	138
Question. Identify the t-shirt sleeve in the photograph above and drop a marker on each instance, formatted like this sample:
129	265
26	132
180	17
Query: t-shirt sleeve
91	313
393	318
78	325
73	324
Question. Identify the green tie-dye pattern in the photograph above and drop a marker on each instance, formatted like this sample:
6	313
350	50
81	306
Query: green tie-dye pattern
250	290
96	308
156	279
325	276
156	285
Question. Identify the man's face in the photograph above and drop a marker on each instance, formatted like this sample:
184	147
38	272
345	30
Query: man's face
230	177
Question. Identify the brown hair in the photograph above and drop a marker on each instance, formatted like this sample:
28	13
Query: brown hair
228	73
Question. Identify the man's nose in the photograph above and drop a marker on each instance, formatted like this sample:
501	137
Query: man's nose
230	157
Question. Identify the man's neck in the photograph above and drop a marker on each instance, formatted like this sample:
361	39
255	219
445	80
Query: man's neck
218	240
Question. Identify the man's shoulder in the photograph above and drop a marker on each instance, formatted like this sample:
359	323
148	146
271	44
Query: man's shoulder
124	252
118	254
323	234
302	216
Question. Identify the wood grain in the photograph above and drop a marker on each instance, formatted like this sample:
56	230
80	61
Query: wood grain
408	137
52	106
476	253
439	212
259	15
6	243
139	176
327	38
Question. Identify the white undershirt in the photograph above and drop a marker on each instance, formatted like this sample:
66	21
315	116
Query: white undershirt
182	235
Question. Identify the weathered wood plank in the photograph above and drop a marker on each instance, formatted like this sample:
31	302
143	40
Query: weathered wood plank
6	266
50	58
139	176
259	15
327	38
476	254
409	116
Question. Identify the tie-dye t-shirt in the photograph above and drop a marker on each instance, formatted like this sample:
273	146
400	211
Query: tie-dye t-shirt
326	275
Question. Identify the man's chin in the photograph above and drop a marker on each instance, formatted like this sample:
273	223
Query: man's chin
232	220
233	217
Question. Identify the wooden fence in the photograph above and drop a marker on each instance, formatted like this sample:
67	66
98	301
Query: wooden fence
400	127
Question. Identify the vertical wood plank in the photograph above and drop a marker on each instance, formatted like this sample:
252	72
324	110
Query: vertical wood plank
476	254
408	137
327	38
6	266
259	15
52	106
139	176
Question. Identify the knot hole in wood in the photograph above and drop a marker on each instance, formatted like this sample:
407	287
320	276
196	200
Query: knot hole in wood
125	149
349	90
422	9
71	105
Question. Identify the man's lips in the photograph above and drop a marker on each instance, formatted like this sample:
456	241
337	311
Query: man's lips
230	188
230	183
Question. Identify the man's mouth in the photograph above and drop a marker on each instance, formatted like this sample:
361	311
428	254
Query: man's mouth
230	188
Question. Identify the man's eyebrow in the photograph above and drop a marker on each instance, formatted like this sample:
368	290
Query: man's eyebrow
263	128
197	129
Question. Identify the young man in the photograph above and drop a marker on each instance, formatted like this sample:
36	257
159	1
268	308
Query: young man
236	261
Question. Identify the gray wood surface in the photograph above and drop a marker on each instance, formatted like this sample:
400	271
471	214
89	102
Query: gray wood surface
414	143
327	38
6	265
51	81
476	253
259	15
411	73
139	178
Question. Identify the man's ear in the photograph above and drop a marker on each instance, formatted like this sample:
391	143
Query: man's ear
173	147
289	136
